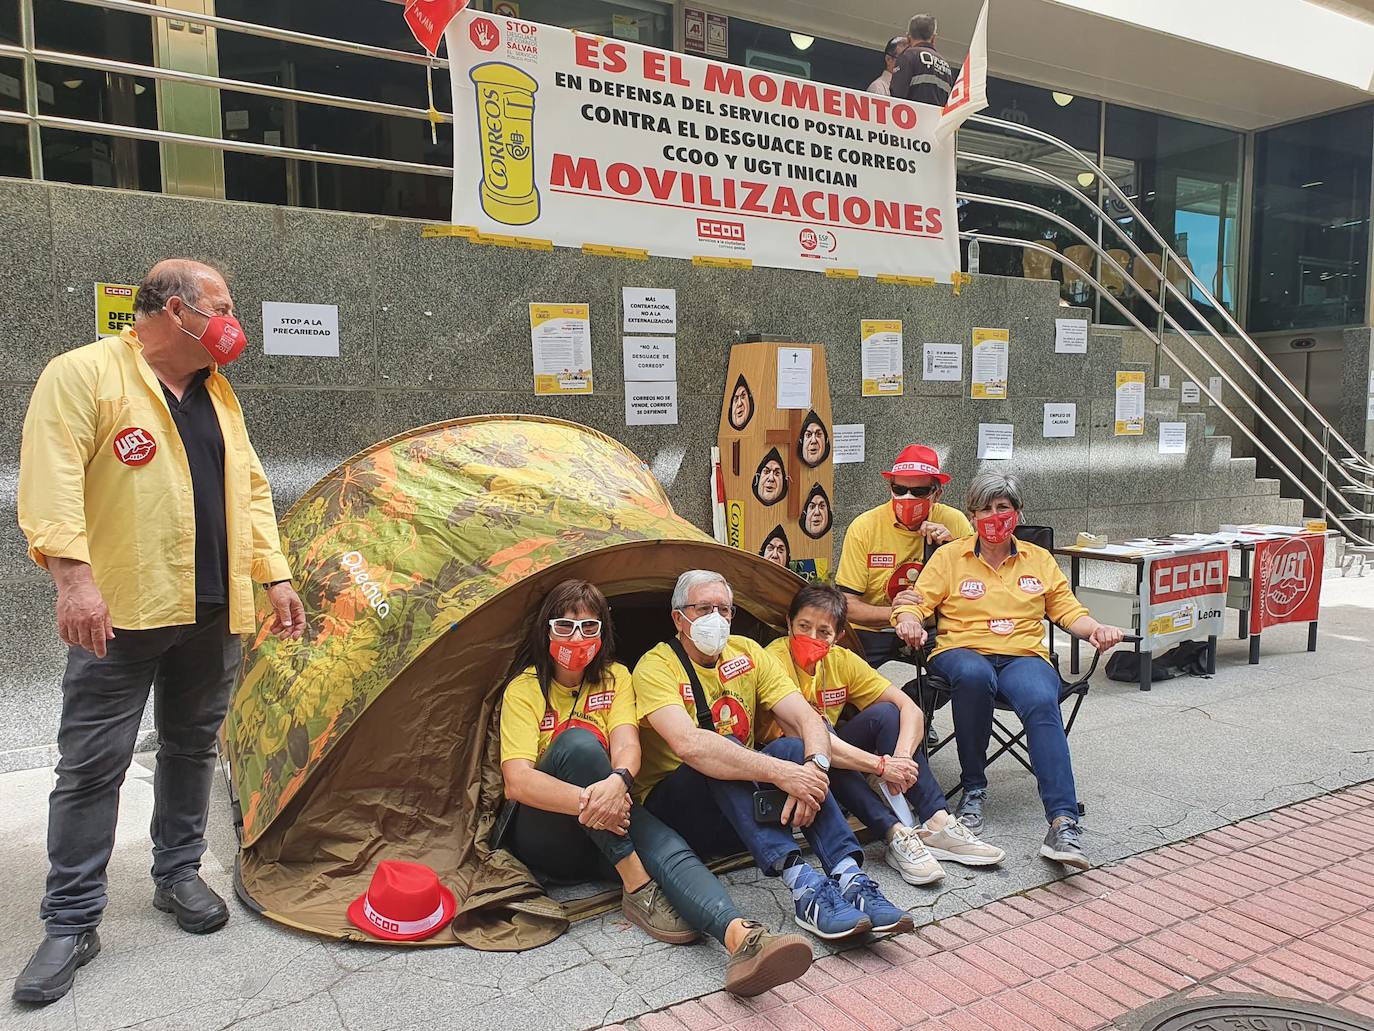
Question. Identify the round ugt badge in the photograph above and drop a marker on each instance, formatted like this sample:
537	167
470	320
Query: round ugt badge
135	446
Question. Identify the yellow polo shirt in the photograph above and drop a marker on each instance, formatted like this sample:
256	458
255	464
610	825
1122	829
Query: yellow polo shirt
745	678
529	723
993	611
103	479
841	678
880	557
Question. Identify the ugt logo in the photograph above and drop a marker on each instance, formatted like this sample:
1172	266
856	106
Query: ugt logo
485	35
1289	577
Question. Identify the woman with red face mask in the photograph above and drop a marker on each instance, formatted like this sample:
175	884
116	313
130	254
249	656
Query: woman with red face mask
569	756
991	594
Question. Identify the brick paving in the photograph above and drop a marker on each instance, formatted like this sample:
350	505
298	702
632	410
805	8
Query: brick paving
1281	904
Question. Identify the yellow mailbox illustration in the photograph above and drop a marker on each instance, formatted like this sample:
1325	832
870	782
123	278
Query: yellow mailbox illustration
505	125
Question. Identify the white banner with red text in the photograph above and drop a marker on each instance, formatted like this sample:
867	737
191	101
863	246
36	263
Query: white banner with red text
1183	597
580	139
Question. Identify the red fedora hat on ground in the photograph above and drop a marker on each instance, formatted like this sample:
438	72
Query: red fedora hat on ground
917	460
404	902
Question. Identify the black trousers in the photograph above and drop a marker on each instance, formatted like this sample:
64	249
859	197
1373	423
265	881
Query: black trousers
191	670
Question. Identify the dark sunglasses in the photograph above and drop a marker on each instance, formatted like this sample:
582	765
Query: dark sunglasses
898	491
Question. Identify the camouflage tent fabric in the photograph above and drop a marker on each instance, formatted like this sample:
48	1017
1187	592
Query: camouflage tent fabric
419	562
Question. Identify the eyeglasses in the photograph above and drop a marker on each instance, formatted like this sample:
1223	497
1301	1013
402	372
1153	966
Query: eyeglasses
567	627
898	491
697	611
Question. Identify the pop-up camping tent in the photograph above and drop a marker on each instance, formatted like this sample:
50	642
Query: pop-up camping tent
420	561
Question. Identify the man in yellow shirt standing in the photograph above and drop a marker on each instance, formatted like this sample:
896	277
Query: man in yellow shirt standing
886	547
140	493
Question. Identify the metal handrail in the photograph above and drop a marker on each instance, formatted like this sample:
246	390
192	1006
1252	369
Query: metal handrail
1160	310
264	31
1107	294
1166	286
1169	253
135	132
233	85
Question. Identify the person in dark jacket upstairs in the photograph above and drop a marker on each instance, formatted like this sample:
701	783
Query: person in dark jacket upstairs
922	74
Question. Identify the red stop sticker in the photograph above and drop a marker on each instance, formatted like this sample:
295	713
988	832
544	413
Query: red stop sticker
135	446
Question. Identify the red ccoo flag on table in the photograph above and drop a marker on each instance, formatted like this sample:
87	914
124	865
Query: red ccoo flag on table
970	92
429	18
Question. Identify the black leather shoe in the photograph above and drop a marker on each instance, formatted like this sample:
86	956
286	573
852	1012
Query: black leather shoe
52	970
197	908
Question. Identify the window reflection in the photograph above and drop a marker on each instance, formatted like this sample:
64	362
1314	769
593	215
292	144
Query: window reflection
1311	223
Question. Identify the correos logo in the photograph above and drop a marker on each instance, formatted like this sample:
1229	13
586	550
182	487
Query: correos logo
356	566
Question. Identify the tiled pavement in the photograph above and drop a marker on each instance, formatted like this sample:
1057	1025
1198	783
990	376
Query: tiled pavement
1281	904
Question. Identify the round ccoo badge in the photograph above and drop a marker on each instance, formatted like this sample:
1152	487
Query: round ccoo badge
135	446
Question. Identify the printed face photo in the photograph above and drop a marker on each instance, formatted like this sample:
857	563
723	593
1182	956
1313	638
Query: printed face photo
813	446
775	548
741	405
770	481
816	517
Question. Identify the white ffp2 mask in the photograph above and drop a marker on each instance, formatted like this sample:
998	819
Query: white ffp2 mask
710	632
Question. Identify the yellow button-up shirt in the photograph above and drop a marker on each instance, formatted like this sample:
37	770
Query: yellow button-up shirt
103	479
993	611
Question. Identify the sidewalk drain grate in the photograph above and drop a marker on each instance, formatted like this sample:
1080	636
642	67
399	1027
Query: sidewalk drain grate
1245	1013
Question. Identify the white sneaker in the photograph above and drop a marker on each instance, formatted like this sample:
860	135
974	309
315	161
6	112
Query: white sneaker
908	856
958	844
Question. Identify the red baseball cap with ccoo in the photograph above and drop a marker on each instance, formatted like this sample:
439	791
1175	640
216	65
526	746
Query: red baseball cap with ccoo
917	460
404	902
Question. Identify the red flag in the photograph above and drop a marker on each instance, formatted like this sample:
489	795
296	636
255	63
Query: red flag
429	18
970	92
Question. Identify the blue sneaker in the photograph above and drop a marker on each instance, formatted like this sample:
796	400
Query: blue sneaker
864	896
823	911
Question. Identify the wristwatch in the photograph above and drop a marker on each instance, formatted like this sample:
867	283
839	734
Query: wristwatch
822	762
626	776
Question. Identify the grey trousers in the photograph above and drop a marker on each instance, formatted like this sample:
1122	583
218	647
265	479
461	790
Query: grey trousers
191	670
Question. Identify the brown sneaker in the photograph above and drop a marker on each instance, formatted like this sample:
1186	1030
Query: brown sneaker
649	909
765	961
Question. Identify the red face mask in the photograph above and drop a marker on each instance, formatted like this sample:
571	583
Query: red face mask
575	655
807	651
998	527
911	512
223	337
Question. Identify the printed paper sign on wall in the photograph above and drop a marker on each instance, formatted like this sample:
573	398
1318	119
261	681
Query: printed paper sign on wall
880	357
1288	581
561	335
114	308
579	139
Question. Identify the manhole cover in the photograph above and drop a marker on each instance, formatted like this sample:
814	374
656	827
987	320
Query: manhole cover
1247	1013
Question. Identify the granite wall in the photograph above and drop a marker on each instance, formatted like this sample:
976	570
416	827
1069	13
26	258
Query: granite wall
438	328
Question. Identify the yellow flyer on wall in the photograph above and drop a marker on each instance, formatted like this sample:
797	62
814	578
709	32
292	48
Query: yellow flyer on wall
880	354
114	308
991	351
561	335
1130	404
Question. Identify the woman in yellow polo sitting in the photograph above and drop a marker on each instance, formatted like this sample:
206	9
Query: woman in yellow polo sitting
992	594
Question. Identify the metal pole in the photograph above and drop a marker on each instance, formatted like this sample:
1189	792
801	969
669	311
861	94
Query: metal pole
1326	457
1163	300
27	40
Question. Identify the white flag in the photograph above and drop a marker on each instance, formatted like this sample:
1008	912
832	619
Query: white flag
970	92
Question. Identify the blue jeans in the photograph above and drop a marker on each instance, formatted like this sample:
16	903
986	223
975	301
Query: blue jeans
716	817
875	731
558	846
1030	686
879	646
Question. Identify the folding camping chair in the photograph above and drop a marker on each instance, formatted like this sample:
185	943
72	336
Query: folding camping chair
932	691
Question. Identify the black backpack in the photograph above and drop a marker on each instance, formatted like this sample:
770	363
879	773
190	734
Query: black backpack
1188	659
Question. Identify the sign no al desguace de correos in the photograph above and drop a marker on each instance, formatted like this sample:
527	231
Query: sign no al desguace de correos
581	139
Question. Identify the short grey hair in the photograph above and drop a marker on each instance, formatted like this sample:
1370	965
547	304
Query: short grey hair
922	27
988	486
171	279
694	578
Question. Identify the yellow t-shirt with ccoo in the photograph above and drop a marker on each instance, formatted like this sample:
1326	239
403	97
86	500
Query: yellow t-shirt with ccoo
529	723
880	558
841	678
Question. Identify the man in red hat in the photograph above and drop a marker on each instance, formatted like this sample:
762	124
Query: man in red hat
140	493
886	547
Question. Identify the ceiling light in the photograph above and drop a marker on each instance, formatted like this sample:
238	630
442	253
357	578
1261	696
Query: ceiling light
1086	179
71	83
802	41
1319	182
1062	99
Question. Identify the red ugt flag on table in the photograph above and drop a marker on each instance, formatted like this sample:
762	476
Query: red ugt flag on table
970	92
429	18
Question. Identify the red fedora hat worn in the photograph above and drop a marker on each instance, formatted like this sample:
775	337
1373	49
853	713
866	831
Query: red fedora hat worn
917	460
404	902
